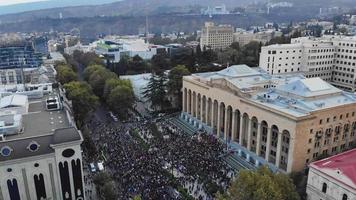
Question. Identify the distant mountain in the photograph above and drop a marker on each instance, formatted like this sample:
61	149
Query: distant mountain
118	8
25	7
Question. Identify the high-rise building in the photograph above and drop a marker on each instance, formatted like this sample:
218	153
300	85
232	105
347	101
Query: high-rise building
216	37
284	121
332	58
19	56
40	153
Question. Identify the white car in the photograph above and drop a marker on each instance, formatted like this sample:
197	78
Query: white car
100	166
92	167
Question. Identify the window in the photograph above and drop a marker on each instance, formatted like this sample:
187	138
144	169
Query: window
325	187
344	197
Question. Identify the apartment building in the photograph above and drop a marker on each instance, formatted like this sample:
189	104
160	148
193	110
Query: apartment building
216	37
332	58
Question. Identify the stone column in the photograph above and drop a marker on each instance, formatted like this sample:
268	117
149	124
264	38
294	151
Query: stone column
226	125
206	111
212	114
184	101
233	128
249	134
290	154
197	106
268	145
201	110
241	129
218	122
258	142
279	149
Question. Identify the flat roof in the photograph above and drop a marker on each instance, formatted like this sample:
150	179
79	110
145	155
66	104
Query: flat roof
291	94
43	127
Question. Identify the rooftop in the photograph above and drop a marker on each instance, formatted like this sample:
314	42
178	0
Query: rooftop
341	167
40	126
292	94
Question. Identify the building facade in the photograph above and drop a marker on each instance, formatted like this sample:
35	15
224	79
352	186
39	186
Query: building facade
19	56
40	153
282	121
331	58
245	37
216	37
333	177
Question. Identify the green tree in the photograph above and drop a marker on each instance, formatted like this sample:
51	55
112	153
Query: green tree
175	81
97	80
109	191
90	70
83	99
156	91
65	74
120	99
260	185
160	62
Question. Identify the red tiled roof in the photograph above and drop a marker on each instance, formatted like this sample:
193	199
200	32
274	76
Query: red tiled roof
344	162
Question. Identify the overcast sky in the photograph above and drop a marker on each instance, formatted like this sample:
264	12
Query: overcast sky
11	2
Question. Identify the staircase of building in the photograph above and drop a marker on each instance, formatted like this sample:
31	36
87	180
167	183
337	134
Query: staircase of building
185	126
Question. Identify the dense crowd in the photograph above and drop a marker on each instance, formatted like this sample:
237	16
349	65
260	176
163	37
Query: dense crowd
146	170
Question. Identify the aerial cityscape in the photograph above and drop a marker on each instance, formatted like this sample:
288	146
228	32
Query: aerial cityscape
177	100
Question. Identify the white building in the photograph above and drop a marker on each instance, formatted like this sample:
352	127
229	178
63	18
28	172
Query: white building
216	37
217	10
353	20
115	47
40	153
333	177
332	58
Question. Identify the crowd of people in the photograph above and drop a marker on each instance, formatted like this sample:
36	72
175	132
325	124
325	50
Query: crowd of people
168	160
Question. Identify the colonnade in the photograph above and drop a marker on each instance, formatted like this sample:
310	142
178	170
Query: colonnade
229	123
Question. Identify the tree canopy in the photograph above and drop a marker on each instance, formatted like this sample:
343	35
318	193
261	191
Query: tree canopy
175	81
83	99
260	185
65	74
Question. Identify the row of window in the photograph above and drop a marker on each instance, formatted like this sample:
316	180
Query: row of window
281	52
325	188
320	57
327	120
321	50
344	69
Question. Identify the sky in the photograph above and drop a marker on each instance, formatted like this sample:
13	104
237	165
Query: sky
12	2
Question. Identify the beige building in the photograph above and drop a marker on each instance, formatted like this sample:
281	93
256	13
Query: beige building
283	121
216	37
245	37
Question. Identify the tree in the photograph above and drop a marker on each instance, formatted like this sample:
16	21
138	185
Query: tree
96	75
65	74
112	83
155	92
261	185
175	81
109	191
160	62
120	99
90	70
106	186
83	99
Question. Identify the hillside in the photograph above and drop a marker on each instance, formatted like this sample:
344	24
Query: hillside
123	8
